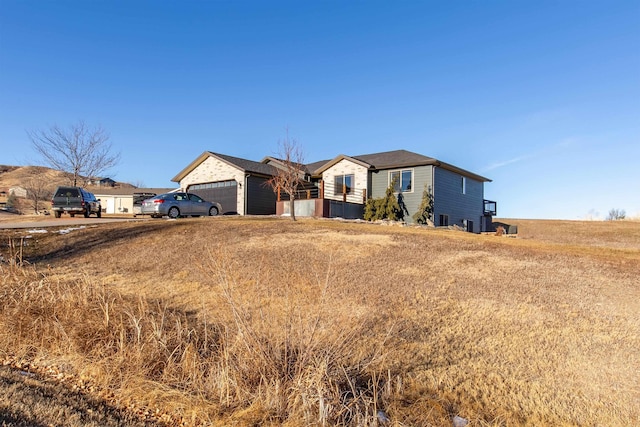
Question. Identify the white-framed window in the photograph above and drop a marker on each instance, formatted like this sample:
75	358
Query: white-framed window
343	184
402	180
464	185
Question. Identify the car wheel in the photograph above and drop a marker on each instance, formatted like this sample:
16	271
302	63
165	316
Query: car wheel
213	211
173	212
87	213
58	214
73	215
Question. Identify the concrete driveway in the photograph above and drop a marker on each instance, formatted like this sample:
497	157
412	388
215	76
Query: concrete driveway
39	221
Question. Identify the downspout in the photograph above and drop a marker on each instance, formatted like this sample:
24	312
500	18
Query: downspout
246	193
433	192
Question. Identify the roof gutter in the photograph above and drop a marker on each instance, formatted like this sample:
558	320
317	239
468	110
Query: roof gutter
461	171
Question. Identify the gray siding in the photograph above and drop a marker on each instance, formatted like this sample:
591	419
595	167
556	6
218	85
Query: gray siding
379	183
422	175
261	199
449	200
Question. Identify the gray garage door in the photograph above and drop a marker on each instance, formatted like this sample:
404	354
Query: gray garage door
223	192
261	199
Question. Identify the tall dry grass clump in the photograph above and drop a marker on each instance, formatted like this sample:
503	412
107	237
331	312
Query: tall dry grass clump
238	358
294	352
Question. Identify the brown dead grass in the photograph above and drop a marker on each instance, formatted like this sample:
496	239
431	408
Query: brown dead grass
265	321
608	234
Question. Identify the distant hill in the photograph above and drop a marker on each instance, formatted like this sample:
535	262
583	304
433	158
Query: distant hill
22	176
11	176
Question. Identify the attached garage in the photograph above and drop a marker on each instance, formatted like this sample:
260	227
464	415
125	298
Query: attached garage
239	185
223	192
261	199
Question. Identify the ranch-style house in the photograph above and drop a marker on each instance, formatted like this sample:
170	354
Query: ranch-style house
339	187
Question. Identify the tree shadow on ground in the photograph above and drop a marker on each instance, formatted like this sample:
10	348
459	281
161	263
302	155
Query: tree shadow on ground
54	247
28	400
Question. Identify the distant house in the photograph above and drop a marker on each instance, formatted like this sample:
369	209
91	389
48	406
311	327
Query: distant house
126	200
18	191
340	187
101	182
106	182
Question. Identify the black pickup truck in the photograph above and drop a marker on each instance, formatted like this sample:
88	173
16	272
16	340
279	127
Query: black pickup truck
75	200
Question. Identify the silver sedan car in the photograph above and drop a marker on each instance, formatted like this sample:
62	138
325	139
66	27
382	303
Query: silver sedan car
174	205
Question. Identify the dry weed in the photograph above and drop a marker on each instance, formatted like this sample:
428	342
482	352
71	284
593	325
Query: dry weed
327	323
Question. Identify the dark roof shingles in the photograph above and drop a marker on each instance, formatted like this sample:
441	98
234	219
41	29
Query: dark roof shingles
313	167
248	165
393	159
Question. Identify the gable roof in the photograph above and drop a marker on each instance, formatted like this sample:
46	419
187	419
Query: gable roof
313	167
248	166
308	168
395	159
376	161
398	159
326	165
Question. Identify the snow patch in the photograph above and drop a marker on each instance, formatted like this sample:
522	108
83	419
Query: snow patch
69	230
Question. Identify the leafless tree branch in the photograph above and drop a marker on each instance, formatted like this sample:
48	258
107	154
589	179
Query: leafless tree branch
79	151
290	170
38	188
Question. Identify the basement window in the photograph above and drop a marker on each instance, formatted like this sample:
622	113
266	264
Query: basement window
444	220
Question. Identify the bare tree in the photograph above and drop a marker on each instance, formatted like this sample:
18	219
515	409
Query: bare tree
616	215
38	189
79	151
290	171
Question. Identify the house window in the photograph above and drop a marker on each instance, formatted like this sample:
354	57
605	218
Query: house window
402	180
343	184
444	220
464	185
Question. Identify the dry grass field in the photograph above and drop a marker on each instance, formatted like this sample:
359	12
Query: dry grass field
247	321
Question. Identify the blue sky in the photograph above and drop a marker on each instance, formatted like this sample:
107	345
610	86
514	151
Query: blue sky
541	97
